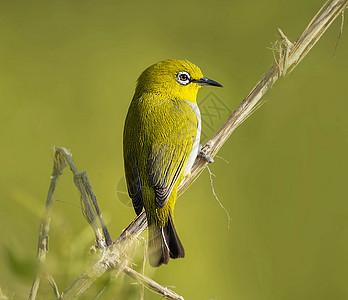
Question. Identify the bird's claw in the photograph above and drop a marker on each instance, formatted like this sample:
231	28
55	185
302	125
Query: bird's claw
208	158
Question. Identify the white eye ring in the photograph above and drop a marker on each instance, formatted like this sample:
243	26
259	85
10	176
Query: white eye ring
183	78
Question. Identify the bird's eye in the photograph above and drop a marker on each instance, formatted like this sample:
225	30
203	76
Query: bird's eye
183	78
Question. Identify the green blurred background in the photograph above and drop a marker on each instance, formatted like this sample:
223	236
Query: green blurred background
67	74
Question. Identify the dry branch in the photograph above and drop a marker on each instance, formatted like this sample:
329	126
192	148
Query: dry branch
107	258
113	257
152	285
58	167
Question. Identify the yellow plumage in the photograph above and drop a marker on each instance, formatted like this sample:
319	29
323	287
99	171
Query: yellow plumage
161	141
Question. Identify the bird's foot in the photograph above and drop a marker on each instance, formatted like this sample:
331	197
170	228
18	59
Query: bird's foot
205	156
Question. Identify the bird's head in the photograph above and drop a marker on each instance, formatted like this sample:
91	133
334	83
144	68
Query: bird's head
173	79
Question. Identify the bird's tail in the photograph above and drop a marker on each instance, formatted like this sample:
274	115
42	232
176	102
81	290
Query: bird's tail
164	243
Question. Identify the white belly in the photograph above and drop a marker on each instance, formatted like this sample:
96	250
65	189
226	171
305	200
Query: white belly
195	147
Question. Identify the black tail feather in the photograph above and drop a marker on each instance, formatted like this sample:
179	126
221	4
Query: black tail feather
164	243
176	249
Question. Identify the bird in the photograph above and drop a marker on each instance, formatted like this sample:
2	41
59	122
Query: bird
161	141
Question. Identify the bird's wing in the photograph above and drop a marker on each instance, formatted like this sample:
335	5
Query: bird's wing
156	149
133	181
169	155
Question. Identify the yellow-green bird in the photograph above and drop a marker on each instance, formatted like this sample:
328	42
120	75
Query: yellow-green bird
160	144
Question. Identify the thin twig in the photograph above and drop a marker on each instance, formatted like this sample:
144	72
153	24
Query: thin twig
58	166
54	285
211	174
89	208
152	285
101	291
96	207
341	31
142	291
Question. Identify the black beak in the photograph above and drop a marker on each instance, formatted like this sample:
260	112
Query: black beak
207	81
